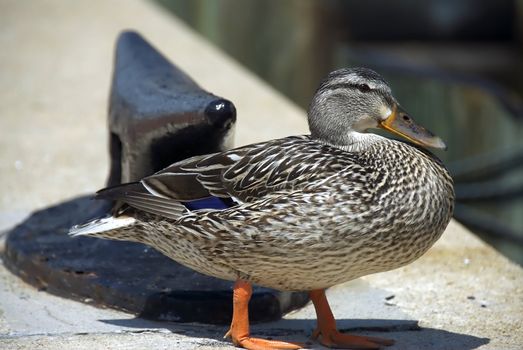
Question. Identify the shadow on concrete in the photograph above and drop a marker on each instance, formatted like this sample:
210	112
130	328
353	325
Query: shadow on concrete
123	275
407	334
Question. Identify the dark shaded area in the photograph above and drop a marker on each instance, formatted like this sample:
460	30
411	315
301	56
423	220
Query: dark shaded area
216	307
434	20
204	138
407	334
124	275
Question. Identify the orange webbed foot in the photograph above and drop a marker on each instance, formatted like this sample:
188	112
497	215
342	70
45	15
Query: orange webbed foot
264	344
335	339
328	335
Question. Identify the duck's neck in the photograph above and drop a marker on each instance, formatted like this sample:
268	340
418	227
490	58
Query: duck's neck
356	141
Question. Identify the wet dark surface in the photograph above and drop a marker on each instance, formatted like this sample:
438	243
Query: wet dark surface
124	275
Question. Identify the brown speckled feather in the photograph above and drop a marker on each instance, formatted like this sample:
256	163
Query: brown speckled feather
247	173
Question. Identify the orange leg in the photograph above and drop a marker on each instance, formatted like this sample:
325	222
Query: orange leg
239	331
330	336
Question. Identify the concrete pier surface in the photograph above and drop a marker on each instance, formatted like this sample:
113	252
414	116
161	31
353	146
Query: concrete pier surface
55	71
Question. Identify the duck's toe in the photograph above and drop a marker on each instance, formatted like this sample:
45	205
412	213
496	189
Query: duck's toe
335	339
264	344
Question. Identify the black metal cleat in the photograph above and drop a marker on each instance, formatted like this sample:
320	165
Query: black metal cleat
158	114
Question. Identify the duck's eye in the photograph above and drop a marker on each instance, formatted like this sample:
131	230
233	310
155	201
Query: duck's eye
363	87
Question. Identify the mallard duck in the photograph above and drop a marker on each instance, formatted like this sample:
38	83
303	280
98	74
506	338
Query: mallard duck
300	213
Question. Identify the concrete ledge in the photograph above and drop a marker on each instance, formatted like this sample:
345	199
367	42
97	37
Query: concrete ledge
53	92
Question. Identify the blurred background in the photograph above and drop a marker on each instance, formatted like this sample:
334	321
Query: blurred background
457	66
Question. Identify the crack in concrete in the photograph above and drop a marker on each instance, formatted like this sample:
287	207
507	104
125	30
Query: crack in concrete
51	315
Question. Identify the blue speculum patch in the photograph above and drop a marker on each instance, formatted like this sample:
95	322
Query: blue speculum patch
209	203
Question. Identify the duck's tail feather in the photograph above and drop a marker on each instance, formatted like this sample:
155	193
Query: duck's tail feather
100	226
138	196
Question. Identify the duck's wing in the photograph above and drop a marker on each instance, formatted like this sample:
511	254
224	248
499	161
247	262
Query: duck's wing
244	174
241	175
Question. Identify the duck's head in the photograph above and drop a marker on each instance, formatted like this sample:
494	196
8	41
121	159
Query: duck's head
351	101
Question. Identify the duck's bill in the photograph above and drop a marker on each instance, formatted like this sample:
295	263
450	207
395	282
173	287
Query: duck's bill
401	124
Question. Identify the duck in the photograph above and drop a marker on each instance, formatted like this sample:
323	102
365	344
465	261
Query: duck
299	213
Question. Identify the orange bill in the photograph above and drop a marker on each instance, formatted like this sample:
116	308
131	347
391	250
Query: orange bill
401	124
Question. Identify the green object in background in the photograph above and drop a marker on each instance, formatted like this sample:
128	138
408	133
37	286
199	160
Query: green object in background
429	52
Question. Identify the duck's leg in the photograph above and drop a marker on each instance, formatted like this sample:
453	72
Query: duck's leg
239	331
330	336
